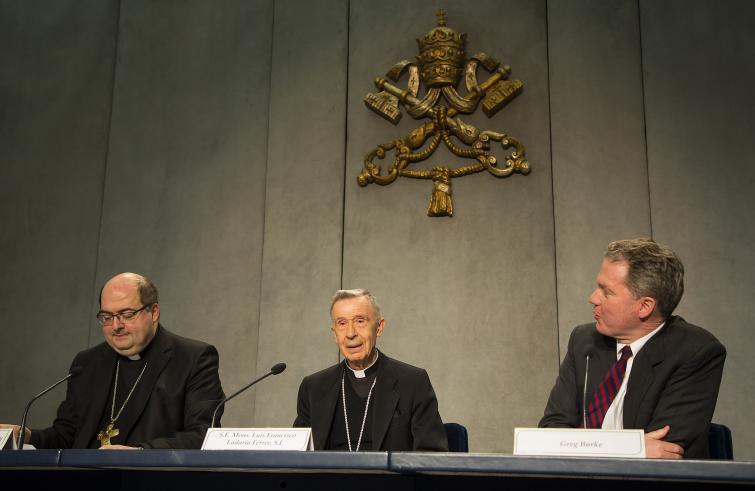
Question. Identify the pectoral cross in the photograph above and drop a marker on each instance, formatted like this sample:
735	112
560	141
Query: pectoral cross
105	436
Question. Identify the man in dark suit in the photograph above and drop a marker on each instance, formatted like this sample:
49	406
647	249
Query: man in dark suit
369	401
647	369
144	387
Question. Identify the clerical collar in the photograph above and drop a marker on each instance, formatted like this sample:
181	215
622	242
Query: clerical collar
367	371
144	353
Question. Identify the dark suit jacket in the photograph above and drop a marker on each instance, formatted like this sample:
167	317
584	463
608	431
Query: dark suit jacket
674	381
405	414
172	407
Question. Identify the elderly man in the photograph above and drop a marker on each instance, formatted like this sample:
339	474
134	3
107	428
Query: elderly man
647	369
144	387
369	401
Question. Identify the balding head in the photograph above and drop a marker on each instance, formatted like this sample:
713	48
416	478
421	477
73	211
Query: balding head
130	299
146	290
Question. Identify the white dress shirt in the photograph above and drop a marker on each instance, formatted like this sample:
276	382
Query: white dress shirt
614	419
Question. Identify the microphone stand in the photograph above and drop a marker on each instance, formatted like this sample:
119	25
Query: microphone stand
278	368
22	429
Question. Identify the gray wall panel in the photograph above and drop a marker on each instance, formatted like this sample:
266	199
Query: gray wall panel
55	89
184	197
303	208
470	298
699	78
238	130
600	184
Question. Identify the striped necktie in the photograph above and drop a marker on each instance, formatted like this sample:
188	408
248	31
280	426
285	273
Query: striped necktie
607	390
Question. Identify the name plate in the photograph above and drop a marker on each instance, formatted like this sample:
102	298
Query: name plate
6	439
258	439
573	442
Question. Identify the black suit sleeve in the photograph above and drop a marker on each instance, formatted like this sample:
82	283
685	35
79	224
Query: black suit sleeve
428	432
689	396
203	392
303	415
564	404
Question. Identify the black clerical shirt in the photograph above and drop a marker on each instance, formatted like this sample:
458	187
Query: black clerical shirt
128	374
357	390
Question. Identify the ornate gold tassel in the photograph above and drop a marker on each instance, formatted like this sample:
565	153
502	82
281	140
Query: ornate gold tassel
440	201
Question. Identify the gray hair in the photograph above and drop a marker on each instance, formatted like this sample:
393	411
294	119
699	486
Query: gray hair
654	271
357	293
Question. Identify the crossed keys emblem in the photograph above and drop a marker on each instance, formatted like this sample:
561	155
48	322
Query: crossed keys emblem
440	66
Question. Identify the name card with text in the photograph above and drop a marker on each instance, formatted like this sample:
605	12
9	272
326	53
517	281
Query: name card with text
258	439
6	439
573	442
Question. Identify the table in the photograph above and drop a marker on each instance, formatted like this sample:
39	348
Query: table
387	471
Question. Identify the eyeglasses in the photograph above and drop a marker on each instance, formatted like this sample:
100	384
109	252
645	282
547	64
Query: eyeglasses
125	315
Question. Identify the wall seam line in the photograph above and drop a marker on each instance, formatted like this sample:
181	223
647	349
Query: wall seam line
345	145
345	153
106	160
644	117
260	284
553	187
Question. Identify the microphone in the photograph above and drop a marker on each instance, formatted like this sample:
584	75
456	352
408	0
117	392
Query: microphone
275	370
587	352
21	432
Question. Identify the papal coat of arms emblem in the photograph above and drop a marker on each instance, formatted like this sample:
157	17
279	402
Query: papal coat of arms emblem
439	67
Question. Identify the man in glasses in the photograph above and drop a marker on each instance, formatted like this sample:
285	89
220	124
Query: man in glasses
144	387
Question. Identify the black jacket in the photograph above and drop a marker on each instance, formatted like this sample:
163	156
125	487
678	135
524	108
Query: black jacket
405	415
674	381
172	407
